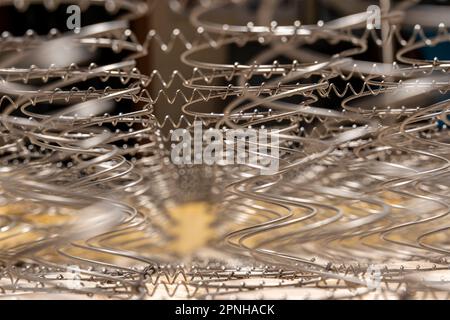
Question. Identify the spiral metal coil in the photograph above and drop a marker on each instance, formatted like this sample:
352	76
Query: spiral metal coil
93	207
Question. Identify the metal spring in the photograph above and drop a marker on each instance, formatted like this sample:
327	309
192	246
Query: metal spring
360	196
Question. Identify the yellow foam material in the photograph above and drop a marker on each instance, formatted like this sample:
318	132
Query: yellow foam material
192	229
